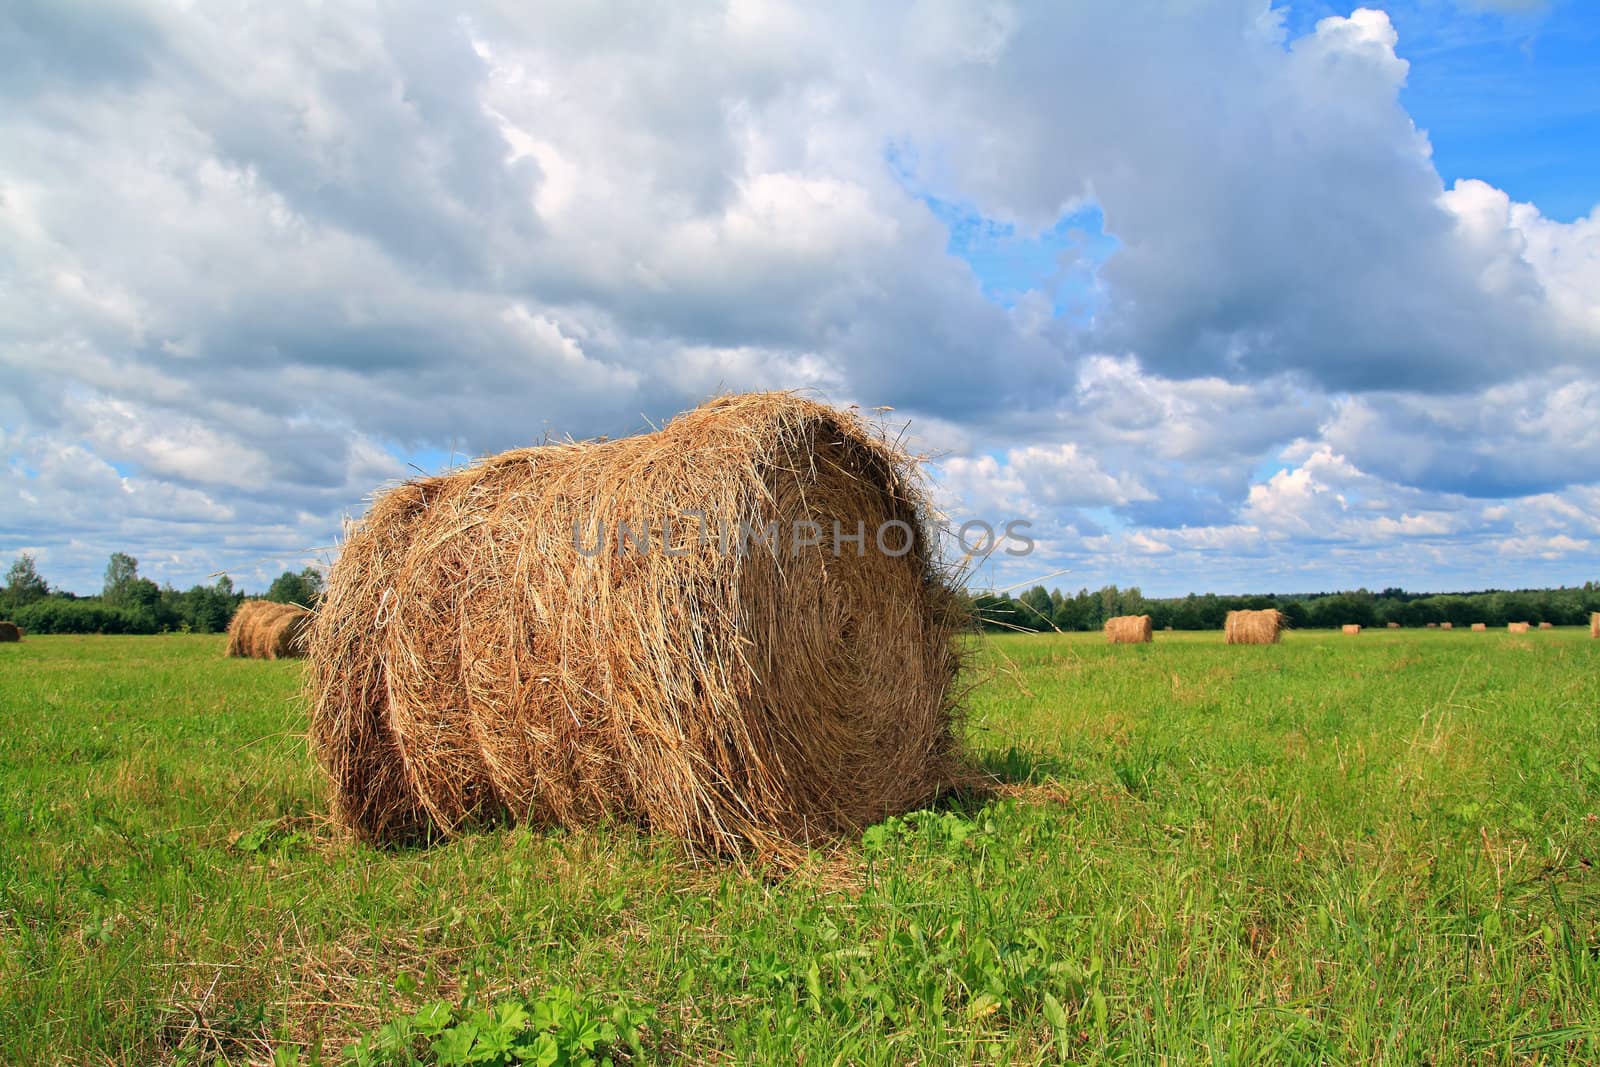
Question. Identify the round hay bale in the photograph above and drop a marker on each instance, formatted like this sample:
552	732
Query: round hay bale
1547	626
284	634
1447	626
1392	626
1517	627
1263	627
500	643
10	631
264	629
1594	624
1480	627
1433	626
1130	630
1350	628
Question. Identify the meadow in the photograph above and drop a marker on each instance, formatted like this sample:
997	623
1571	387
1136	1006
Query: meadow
1374	849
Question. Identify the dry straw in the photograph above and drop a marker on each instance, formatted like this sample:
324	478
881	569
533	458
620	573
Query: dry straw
1479	627
1517	627
263	629
471	665
1394	626
1433	625
1594	624
1547	626
1254	627
1350	628
1447	626
10	631
1130	630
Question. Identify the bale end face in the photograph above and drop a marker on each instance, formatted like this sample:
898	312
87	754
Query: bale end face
10	631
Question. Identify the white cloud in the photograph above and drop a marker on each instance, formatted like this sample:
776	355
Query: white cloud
252	254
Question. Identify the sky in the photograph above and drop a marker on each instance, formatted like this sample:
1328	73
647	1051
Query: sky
1219	295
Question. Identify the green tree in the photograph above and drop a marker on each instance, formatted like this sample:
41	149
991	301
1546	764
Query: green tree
121	572
291	588
1037	610
23	584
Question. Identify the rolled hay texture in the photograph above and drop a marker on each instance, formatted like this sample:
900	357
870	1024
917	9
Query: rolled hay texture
285	635
1594	624
1394	626
10	631
1254	627
263	629
1447	626
1130	630
1547	626
1480	627
494	645
1350	628
1517	627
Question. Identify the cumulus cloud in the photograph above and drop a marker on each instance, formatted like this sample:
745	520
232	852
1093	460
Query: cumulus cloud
254	256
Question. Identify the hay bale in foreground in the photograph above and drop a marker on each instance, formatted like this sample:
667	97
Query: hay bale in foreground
1447	626
1254	627
1130	630
10	631
263	629
1350	628
1517	627
495	645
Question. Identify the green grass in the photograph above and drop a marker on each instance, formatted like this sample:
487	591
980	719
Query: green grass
1372	849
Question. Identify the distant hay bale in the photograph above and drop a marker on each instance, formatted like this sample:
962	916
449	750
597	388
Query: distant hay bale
1167	629
494	644
1350	628
263	629
1130	630
1394	626
1517	627
1547	626
10	631
1594	624
1433	625
1254	627
284	637
1479	627
1447	626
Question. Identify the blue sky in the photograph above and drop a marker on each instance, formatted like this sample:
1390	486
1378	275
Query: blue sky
1242	297
1508	95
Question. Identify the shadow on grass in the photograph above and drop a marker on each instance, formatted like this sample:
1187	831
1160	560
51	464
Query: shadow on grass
996	772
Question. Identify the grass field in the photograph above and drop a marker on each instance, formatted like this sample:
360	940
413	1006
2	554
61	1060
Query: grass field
1371	849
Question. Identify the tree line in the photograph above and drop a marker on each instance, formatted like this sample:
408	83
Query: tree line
1040	609
130	604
